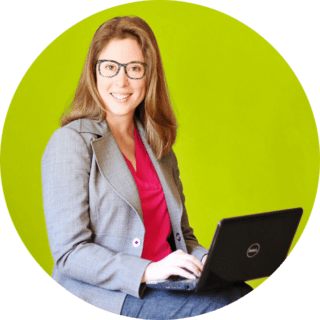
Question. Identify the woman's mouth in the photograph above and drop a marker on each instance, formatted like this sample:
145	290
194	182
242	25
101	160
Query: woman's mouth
120	96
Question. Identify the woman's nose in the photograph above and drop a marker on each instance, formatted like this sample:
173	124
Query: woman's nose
121	78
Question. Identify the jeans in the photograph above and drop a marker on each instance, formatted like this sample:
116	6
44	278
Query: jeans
166	304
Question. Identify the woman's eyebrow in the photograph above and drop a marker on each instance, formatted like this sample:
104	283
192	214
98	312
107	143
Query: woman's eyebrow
134	61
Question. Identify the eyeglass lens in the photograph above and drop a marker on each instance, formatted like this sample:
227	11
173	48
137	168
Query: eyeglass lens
134	70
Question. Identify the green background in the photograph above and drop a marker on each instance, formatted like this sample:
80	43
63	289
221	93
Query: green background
24	41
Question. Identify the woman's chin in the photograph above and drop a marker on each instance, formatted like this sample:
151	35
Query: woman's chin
120	113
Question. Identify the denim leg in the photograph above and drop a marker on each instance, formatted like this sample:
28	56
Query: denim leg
165	304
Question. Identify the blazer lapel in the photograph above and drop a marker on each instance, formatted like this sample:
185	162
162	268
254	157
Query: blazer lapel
115	170
169	187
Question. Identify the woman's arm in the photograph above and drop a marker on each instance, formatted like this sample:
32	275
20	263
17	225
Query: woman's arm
66	165
192	243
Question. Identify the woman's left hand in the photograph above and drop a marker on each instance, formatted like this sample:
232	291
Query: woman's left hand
204	259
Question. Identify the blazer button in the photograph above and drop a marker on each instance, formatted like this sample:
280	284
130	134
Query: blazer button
136	242
178	237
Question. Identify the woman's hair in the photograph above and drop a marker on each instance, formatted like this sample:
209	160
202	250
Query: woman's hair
155	111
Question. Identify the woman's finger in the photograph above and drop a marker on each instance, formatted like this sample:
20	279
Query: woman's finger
182	255
177	271
187	262
192	268
187	265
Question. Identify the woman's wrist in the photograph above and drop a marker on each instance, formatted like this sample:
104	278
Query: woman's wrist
145	277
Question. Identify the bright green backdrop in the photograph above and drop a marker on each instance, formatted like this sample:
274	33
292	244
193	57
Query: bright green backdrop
247	140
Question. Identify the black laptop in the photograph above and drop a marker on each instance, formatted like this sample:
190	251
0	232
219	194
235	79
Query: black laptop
243	248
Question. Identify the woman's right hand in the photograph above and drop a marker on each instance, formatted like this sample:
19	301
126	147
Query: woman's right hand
174	264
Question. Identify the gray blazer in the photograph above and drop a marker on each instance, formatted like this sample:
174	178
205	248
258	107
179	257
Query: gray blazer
94	217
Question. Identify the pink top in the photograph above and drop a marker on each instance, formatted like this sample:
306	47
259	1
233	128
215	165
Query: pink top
154	206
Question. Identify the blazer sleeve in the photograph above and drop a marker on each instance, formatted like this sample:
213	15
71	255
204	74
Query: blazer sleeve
66	165
193	246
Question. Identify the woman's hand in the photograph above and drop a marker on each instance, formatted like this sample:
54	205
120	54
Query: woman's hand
204	259
177	263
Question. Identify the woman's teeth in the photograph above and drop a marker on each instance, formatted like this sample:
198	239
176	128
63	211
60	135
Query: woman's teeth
120	96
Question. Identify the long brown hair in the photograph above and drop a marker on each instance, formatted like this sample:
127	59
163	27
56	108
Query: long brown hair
155	112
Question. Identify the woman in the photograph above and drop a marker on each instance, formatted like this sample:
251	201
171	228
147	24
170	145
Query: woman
113	199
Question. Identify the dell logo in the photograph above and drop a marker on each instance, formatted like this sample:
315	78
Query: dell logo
253	250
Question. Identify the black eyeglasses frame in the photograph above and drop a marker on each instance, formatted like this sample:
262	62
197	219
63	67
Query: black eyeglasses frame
124	65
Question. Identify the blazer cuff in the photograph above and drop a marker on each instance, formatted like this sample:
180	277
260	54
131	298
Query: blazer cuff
139	287
199	252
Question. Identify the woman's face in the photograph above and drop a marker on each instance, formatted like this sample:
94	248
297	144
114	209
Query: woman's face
120	94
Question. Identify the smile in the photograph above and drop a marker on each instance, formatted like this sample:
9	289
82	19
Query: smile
121	97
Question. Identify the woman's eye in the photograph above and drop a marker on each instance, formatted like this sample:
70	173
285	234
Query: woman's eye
110	67
136	68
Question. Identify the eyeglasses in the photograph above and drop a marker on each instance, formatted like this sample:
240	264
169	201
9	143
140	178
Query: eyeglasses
110	68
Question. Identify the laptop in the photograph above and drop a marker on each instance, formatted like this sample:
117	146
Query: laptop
243	248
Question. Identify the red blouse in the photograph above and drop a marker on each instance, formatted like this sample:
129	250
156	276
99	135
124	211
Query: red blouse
154	207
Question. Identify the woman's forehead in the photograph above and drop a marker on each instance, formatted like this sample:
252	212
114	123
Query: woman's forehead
122	50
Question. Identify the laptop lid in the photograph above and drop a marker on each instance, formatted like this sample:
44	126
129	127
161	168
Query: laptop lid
249	247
